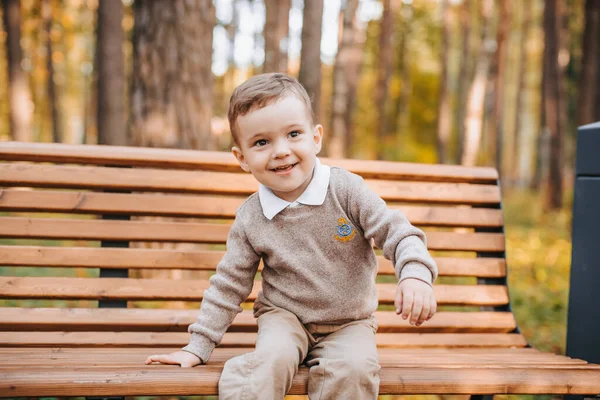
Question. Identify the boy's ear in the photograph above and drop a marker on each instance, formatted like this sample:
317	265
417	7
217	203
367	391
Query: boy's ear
318	137
240	157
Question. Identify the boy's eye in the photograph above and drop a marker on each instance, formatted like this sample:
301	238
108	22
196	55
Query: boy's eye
294	134
260	143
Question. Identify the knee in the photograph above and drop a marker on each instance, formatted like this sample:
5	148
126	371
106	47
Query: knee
277	358
357	369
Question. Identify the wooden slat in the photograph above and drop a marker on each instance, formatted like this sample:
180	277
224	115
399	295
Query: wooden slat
186	290
163	320
481	242
24	358
241	339
89	257
69	176
202	380
395	357
224	161
451	216
448	340
43	256
208	207
125	204
450	358
50	228
128	356
209	182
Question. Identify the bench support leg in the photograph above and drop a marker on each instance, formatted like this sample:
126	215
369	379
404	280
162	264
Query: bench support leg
482	397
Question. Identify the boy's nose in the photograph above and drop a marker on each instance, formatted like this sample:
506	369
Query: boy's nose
281	149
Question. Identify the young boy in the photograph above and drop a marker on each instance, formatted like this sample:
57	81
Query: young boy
311	225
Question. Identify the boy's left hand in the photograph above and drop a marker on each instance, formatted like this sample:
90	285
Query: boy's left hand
415	298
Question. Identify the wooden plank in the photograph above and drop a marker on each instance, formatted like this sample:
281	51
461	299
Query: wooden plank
224	161
247	340
186	290
210	182
388	357
50	228
208	207
12	358
128	355
451	216
432	380
124	203
44	256
133	356
69	176
134	258
481	242
157	231
174	320
90	257
202	380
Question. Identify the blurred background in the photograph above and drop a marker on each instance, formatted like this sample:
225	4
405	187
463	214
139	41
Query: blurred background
501	83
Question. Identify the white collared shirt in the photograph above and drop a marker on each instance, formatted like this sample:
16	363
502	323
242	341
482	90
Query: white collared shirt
313	195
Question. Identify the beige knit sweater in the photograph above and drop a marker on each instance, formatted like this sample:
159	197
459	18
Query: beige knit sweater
318	260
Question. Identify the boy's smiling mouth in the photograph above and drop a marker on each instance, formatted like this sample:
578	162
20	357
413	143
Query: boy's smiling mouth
284	168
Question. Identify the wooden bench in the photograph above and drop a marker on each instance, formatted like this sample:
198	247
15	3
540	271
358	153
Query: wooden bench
79	222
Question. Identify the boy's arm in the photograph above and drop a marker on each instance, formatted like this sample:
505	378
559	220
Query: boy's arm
401	242
229	287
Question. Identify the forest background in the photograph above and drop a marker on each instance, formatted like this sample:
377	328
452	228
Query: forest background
501	83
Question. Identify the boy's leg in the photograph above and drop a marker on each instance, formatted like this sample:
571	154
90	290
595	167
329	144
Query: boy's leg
267	372
345	363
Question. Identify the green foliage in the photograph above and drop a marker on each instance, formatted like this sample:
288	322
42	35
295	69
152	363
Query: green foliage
539	256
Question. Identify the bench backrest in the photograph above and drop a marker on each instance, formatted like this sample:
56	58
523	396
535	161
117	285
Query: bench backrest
89	226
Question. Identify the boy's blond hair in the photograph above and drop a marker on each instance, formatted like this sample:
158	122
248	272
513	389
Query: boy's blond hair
262	90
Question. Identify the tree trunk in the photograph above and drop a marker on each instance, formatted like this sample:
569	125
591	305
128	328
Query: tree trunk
520	101
463	75
111	74
276	35
19	97
590	66
310	58
232	29
500	62
552	101
444	127
402	122
171	93
52	95
542	134
475	102
343	83
384	64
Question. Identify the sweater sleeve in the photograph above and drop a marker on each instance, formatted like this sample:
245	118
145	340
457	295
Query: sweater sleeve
401	242
228	288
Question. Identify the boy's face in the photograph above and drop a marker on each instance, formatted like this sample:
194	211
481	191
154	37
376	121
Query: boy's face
278	145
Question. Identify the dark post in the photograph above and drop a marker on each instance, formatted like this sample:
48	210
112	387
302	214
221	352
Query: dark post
583	324
114	273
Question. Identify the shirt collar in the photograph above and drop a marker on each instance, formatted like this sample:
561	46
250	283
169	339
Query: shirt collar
313	195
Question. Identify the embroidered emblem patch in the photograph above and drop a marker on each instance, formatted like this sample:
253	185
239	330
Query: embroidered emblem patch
345	232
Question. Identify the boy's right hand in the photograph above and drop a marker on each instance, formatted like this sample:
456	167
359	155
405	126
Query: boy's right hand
183	358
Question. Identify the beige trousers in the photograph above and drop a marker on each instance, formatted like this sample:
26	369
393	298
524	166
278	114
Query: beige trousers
342	360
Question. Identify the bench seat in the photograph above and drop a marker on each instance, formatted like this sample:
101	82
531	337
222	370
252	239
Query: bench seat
105	253
111	372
